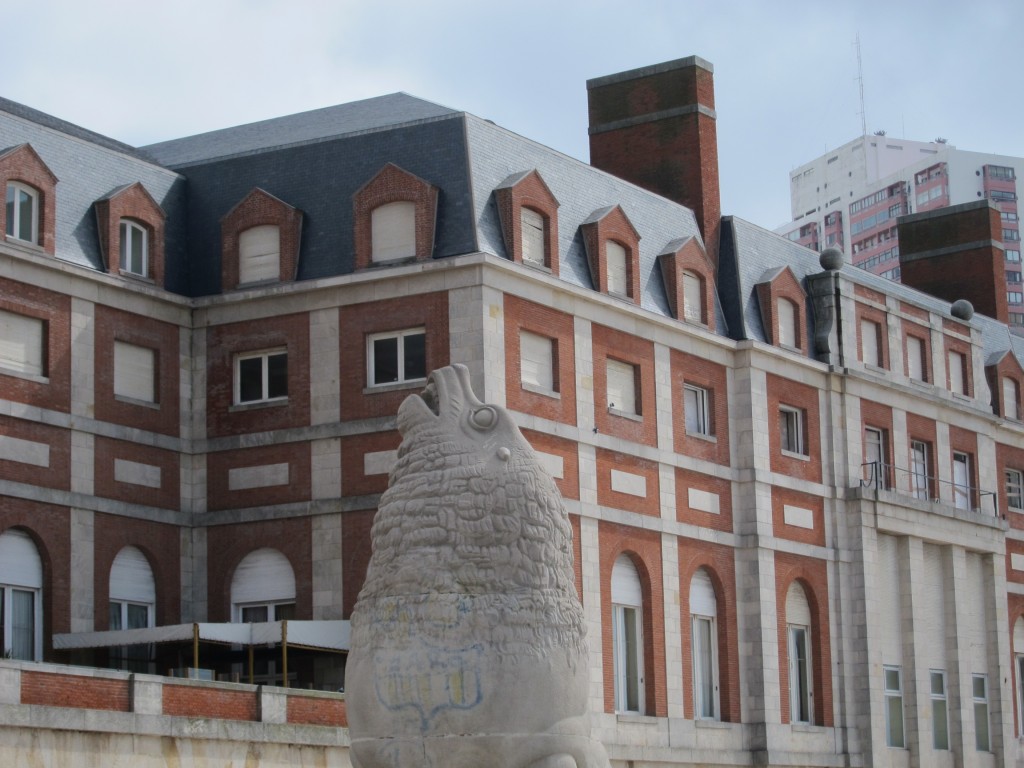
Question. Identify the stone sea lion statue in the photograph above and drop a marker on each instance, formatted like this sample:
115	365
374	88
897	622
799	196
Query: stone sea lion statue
468	640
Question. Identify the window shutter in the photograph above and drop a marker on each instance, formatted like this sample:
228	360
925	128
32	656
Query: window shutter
21	343
393	230
20	565
615	260
933	596
532	229
263	576
887	581
702	595
1010	408
787	322
134	372
869	343
536	364
626	588
915	358
131	578
956	372
692	298
259	254
797	610
621	386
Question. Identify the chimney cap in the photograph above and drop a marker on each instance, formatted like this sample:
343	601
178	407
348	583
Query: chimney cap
831	259
962	309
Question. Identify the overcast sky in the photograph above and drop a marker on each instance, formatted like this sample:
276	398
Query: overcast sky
785	72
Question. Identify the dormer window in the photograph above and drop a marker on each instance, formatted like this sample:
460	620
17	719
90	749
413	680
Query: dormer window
393	232
693	298
22	212
134	248
259	254
533	236
613	253
1011	399
529	220
616	260
395	214
787	315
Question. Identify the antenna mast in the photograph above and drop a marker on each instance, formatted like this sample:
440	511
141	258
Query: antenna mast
860	84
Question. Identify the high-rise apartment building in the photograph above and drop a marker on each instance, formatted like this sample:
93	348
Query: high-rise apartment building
851	198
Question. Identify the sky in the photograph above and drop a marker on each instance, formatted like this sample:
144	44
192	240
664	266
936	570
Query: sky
786	74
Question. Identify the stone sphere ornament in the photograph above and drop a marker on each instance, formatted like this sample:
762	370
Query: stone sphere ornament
468	637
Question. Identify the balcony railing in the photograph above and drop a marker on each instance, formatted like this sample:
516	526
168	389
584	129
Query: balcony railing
919	485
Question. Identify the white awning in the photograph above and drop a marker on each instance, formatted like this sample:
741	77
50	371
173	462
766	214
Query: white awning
322	635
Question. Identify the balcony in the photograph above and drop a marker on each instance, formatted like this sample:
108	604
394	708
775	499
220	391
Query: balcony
918	485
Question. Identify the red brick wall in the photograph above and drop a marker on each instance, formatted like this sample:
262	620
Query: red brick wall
783	496
220	464
160	543
355	555
686	479
24	164
1007	368
812	575
354	480
522	315
317	711
609	460
787	392
691	369
64	690
256	209
720	563
1008	457
196	701
50	530
58	474
644	549
168	495
114	325
224	342
569	483
784	286
357	321
55	310
228	544
611	343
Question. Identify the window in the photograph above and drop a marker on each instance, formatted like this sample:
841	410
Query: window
134	248
1014	488
1011	399
393	231
791	430
693	298
919	480
916	368
537	361
940	717
1013	277
622	387
396	357
135	372
979	694
616	259
957	370
21	585
893	686
22	212
533	236
259	254
1019	659
704	612
696	410
22	344
261	376
1011	234
132	606
961	480
1015	297
1013	254
801	691
263	587
627	637
875	466
787	323
870	346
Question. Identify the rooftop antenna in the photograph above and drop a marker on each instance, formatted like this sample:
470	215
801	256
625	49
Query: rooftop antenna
860	84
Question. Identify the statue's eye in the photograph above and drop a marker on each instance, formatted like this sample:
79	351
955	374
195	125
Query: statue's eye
484	418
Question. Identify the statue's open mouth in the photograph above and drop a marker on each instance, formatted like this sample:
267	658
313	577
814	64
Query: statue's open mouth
429	397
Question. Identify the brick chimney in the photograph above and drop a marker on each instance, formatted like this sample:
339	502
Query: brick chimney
656	127
956	253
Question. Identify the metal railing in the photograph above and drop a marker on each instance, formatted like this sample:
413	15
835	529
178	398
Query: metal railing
918	485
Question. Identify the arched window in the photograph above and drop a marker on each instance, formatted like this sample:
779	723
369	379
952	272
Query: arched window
21	597
134	248
616	261
627	636
263	588
801	685
788	336
132	606
704	629
22	212
393	231
534	236
693	297
259	254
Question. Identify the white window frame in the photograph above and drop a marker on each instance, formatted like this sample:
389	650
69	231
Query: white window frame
537	362
920	482
705	661
386	246
532	236
131	231
264	355
788	317
917	368
628	651
791	424
892	688
1014	490
697	410
617	255
693	297
14	204
400	336
24	575
875	445
22	345
982	720
622	400
801	679
273	608
962	490
940	709
1011	403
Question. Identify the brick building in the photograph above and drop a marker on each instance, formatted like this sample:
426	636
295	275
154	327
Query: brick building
795	486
